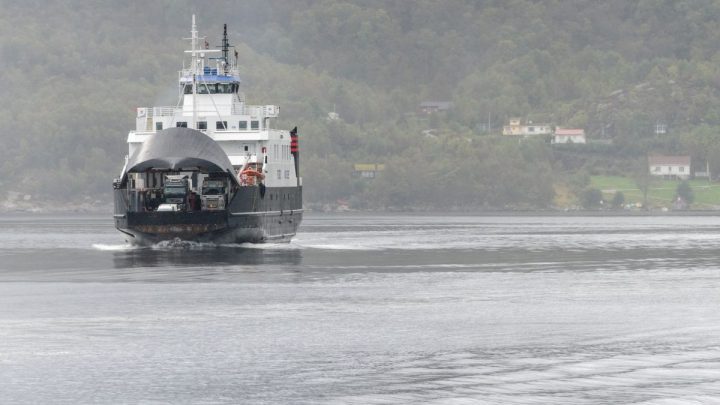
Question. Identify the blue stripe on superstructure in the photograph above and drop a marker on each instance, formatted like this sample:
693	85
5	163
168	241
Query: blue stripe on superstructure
212	79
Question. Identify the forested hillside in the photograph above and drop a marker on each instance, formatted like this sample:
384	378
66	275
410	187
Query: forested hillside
73	72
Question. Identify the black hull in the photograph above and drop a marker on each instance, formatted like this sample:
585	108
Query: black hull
250	218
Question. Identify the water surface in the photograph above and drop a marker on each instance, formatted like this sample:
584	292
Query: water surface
365	309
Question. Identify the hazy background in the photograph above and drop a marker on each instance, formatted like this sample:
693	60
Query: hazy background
72	74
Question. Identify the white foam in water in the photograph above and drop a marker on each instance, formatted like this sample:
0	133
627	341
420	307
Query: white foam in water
112	248
178	244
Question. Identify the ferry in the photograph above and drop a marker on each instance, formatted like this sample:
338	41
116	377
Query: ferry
211	168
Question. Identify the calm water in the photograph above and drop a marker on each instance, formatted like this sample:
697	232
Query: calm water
366	309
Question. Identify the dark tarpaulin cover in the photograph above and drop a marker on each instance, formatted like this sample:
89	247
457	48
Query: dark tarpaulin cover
176	148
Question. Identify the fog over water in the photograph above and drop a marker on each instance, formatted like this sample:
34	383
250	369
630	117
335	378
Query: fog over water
366	309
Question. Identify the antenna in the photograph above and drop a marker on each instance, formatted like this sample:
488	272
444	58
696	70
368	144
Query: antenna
194	38
225	48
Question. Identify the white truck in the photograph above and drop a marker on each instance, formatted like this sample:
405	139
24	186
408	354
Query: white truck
213	195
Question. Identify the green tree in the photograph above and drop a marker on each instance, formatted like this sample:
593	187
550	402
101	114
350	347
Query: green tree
592	198
618	199
685	192
643	180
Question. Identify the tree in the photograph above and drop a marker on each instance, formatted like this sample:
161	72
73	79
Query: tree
618	199
643	179
592	198
685	192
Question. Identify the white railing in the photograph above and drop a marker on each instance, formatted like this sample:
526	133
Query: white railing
165	111
148	112
270	111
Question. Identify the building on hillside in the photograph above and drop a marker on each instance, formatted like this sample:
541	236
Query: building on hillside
660	128
367	170
431	107
569	135
669	167
516	128
333	115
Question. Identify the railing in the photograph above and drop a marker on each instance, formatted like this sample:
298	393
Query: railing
165	111
149	112
269	111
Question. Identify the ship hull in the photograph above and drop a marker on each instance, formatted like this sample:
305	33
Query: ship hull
251	217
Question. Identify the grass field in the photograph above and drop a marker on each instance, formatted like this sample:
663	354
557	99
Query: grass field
661	192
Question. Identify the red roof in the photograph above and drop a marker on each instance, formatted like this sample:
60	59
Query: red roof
570	132
669	160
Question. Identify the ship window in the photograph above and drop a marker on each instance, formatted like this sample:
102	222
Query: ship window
242	125
158	126
287	174
279	174
202	125
181	124
254	124
211	88
246	148
221	125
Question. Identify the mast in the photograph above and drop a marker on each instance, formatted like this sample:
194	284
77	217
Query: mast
225	48
197	65
194	62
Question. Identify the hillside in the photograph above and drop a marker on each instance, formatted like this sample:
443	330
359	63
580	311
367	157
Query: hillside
73	74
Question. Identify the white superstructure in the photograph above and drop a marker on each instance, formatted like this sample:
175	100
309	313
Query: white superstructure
210	101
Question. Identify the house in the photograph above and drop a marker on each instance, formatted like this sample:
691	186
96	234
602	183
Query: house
367	170
431	107
569	135
515	128
669	167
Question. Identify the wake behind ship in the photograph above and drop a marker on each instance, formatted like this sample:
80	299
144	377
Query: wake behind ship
210	169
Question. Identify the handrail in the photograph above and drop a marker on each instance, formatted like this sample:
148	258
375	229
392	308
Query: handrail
162	111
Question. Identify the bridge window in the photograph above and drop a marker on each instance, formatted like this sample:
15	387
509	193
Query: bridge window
255	125
211	88
242	125
158	126
202	125
221	125
181	124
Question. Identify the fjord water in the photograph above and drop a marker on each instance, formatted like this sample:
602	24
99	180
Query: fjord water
366	309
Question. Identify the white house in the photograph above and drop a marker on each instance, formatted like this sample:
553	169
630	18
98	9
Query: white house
569	135
670	167
516	128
